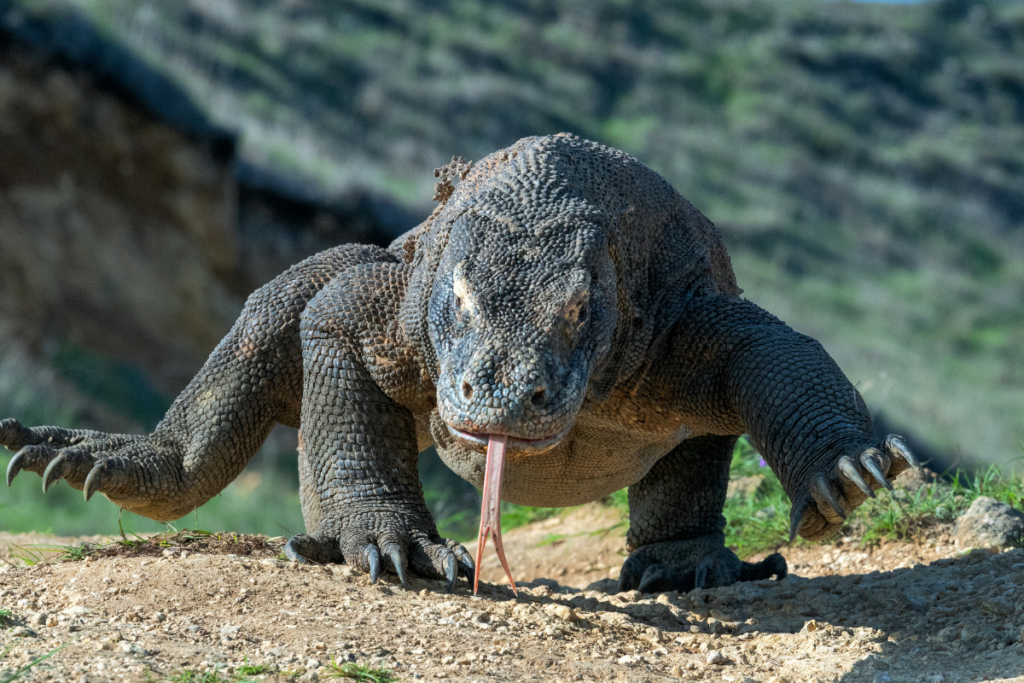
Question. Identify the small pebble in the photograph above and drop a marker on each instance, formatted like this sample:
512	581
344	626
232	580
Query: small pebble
563	612
716	657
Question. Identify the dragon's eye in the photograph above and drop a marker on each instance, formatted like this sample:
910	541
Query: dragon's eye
457	303
581	315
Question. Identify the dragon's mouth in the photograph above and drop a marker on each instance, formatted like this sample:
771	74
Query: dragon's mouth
478	441
490	508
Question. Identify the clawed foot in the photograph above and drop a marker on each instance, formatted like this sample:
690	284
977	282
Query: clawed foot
56	454
702	562
833	495
112	464
372	551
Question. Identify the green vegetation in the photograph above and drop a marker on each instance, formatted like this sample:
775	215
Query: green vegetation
254	503
6	618
359	672
10	676
214	675
759	520
513	516
248	669
901	514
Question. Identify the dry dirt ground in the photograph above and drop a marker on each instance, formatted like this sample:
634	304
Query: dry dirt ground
900	612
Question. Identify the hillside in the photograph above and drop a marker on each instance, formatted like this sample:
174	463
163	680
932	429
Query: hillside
863	161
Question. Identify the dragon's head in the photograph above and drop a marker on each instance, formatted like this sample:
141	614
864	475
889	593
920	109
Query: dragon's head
523	307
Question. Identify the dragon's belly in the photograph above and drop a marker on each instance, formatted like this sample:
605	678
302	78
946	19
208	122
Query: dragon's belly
596	458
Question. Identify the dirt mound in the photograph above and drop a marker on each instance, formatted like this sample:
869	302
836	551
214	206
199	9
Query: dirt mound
898	612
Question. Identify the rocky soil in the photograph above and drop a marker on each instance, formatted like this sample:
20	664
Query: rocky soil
922	611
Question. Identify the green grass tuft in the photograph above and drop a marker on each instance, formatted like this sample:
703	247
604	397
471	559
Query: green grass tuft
189	676
760	521
248	669
214	676
359	672
10	676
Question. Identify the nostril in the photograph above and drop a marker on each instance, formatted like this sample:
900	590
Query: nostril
540	397
467	390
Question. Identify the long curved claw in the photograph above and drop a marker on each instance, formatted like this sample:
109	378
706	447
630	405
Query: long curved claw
373	559
849	470
467	567
797	516
451	572
94	481
399	562
14	466
897	446
54	471
868	459
700	577
824	489
628	579
652	576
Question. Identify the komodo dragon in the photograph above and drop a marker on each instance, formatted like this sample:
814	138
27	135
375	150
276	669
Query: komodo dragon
563	304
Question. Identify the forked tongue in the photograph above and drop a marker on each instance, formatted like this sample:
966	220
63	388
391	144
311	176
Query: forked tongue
490	509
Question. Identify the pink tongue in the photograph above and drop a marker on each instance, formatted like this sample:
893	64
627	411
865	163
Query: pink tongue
490	509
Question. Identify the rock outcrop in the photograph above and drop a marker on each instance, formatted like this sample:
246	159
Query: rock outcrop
989	523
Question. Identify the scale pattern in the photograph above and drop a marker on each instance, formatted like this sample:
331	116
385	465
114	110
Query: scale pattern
562	294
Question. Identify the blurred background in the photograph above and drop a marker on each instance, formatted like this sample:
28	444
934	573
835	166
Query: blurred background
160	160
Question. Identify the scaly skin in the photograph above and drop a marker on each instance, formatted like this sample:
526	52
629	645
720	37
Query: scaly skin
564	296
